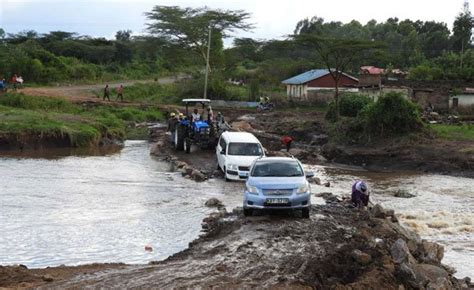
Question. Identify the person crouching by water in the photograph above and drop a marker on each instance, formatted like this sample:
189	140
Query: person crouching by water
360	194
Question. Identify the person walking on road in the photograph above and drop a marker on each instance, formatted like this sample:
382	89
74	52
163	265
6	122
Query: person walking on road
120	93
106	92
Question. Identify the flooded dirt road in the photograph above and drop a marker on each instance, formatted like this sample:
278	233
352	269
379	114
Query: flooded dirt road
75	210
108	207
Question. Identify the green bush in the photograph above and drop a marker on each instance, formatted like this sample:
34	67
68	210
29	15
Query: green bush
392	114
349	106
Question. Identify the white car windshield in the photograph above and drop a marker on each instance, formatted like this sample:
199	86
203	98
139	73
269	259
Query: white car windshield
245	149
277	169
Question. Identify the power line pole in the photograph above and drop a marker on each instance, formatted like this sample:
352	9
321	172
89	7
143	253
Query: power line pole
207	62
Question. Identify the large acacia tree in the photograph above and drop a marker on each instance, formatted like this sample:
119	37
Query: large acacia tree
337	54
189	27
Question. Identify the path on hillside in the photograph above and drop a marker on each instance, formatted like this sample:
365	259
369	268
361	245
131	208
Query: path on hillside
86	93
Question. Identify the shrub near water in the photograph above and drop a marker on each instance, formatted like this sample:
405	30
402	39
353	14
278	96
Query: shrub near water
392	114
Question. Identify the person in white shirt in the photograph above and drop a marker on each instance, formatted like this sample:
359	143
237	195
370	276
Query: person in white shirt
196	115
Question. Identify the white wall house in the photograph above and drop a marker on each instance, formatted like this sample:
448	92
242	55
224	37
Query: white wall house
462	101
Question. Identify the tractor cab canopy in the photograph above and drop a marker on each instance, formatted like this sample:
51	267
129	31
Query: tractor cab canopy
196	101
193	102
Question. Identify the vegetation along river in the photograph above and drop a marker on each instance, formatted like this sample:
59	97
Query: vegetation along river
61	207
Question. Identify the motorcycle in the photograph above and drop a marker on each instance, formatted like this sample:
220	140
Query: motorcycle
262	107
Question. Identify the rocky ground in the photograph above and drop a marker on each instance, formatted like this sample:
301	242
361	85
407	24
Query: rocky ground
339	247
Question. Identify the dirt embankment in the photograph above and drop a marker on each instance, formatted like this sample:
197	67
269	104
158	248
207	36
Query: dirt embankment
312	145
337	248
437	157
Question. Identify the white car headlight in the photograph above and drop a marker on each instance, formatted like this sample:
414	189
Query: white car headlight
303	189
252	189
232	167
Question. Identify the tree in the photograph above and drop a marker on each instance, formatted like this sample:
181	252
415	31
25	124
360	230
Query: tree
189	27
123	35
59	35
337	55
462	30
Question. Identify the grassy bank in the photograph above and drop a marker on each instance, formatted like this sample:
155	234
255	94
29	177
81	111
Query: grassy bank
453	132
27	121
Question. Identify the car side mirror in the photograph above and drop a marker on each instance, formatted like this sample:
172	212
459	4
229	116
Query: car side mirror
223	152
309	174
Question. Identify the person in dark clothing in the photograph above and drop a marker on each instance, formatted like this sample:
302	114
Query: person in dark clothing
172	122
360	194
106	92
286	140
14	81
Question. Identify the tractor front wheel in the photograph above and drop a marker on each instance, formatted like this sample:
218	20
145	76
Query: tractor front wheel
187	145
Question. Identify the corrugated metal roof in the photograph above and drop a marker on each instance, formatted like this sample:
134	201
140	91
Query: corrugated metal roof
309	76
306	77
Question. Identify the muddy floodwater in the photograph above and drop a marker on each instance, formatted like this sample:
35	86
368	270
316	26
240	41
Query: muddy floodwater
104	208
441	210
63	207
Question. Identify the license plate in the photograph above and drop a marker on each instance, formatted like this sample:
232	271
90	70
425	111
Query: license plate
243	174
277	200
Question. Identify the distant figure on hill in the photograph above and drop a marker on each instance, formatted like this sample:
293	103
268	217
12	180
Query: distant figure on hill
106	92
19	81
13	81
360	194
3	86
120	93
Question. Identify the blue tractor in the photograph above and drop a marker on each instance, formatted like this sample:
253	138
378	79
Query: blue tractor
198	132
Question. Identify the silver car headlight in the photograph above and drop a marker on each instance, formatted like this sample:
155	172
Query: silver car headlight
252	190
303	189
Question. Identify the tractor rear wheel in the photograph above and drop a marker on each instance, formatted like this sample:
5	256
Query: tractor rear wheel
179	137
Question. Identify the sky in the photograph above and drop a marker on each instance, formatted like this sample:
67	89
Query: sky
272	19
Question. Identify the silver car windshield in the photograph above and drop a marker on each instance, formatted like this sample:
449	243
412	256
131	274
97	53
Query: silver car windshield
277	169
245	149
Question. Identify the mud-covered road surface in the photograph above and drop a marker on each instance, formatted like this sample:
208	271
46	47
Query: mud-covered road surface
337	248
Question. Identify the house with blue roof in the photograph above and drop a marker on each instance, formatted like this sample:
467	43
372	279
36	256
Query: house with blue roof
317	85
